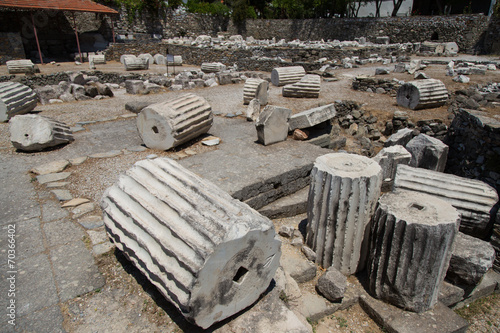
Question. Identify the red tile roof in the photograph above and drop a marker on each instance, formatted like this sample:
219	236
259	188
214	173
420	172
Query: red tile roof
69	5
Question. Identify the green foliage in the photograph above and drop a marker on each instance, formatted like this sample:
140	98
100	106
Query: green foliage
496	9
212	8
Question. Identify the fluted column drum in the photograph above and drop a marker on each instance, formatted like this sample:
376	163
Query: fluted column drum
342	197
410	248
209	254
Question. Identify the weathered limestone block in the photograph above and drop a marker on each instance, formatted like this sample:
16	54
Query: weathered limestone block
272	124
209	254
281	76
176	60
15	99
253	110
410	248
470	260
212	67
20	66
160	59
135	87
401	137
474	200
34	133
427	152
148	56
123	56
255	88
98	59
422	94
389	158
332	285
342	197
135	63
169	124
312	117
309	86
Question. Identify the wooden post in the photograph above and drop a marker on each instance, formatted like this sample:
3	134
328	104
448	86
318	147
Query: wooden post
77	40
36	37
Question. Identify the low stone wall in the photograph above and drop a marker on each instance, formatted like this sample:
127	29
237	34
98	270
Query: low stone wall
255	59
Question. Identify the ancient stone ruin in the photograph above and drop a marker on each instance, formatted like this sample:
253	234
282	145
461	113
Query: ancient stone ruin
171	123
34	133
422	94
308	86
209	254
287	75
15	99
410	249
342	196
255	88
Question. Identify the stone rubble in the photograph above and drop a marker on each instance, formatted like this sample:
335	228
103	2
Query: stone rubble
308	86
427	152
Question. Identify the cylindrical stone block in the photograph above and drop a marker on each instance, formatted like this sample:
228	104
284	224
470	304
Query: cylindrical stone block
308	87
34	133
212	67
15	99
286	75
20	66
169	124
255	88
134	63
98	59
410	248
176	60
422	94
208	253
342	197
475	200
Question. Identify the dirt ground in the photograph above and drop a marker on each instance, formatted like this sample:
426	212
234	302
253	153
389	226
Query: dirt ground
141	307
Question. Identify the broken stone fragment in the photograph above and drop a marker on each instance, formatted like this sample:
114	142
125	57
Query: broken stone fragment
427	152
272	124
253	110
299	135
212	67
15	99
411	241
470	260
35	133
209	254
332	285
135	87
389	158
312	117
171	123
23	66
255	88
51	167
401	137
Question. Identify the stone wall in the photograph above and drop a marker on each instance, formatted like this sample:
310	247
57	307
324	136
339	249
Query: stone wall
474	141
468	31
11	47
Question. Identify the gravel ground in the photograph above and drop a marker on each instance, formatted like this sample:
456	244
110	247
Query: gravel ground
140	308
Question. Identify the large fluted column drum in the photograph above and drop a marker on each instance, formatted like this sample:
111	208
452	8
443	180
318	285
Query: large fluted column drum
208	253
410	248
342	197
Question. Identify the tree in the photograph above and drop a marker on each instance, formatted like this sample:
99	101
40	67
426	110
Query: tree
353	7
397	5
378	3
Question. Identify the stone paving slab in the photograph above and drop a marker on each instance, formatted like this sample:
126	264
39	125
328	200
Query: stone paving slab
48	320
440	319
75	271
62	232
250	171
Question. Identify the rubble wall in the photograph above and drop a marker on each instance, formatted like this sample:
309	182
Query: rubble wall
474	141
